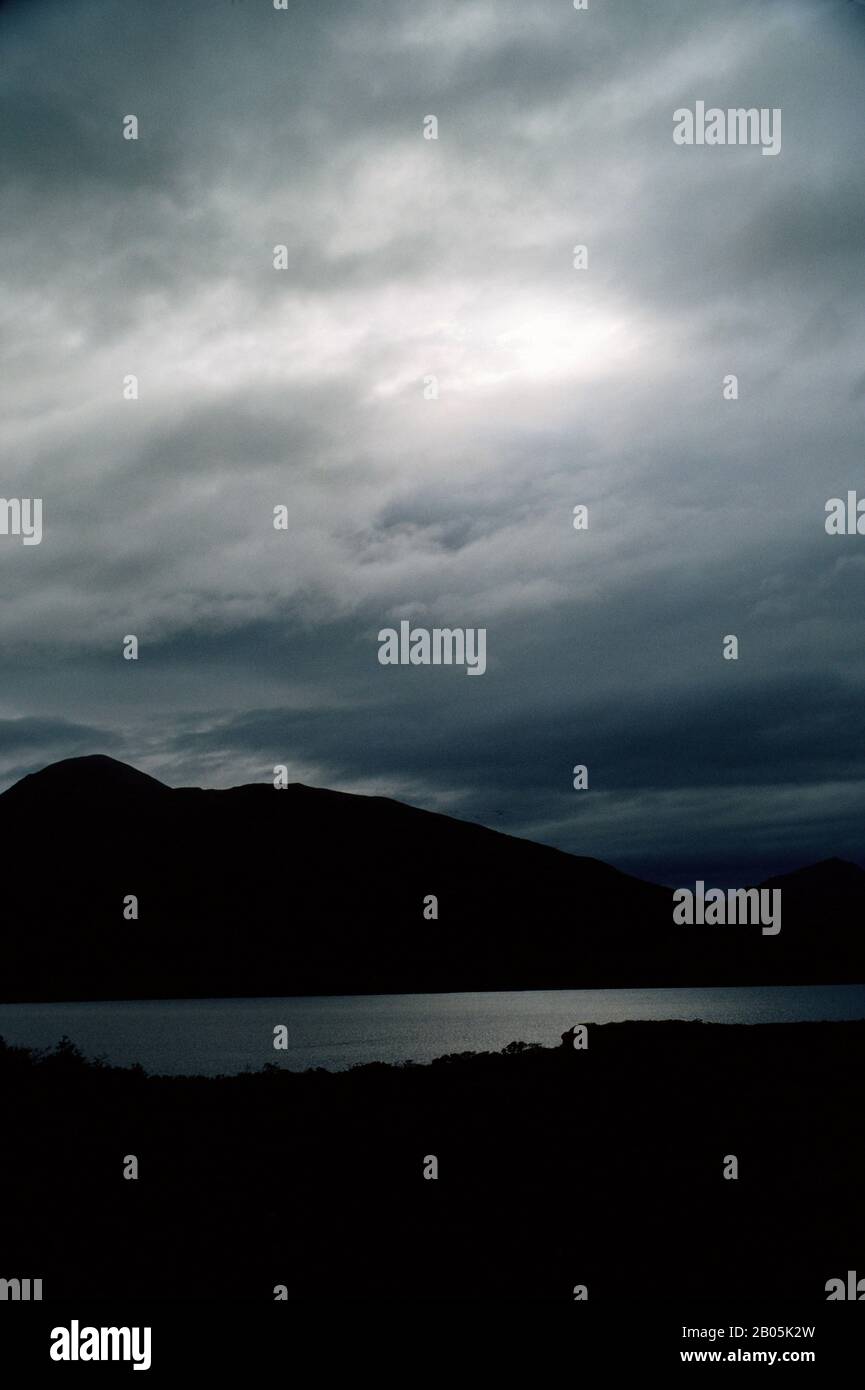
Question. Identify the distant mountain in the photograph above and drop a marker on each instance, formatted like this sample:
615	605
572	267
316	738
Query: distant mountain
98	781
259	891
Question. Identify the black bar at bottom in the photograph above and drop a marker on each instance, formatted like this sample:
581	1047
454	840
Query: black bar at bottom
207	1339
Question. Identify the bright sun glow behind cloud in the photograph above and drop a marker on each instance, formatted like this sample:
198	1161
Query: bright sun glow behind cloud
516	342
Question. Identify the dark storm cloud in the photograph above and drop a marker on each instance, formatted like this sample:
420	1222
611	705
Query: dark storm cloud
452	258
20	736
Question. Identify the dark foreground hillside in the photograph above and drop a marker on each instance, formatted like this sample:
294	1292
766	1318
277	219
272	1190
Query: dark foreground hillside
556	1168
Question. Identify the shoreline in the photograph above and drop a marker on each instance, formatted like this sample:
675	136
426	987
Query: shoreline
555	1167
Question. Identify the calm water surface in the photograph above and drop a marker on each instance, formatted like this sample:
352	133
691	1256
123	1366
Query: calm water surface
213	1036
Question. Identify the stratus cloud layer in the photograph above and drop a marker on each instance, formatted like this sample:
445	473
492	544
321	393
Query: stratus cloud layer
454	258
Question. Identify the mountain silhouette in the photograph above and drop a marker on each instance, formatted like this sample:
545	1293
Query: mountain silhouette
95	781
264	891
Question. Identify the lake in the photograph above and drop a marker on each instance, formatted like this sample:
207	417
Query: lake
212	1036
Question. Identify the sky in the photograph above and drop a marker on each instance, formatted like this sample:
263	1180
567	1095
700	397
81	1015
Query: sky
453	258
